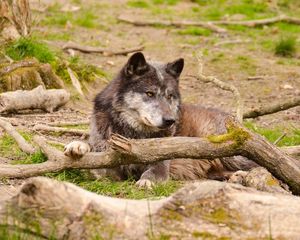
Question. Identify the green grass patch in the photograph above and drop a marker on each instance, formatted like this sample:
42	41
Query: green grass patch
286	47
29	47
122	189
37	157
292	137
165	2
86	19
195	31
247	64
138	4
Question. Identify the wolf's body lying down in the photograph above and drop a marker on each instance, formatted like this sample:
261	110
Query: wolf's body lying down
143	101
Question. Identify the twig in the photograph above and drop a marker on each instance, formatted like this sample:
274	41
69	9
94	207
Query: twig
273	108
22	143
61	123
137	22
75	81
45	128
105	52
222	85
260	22
236	41
250	78
279	139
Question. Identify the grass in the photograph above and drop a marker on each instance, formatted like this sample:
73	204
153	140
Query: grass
122	189
286	47
194	31
292	138
30	47
138	4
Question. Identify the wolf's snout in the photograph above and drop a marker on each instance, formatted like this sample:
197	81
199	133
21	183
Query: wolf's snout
167	122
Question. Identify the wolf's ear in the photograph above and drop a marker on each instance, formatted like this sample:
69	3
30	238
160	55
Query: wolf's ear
136	65
175	68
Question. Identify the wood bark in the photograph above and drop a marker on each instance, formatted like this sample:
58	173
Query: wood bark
22	143
237	141
75	132
38	98
284	105
47	208
15	19
138	22
105	52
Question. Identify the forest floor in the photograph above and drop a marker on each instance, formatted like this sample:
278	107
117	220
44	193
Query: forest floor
95	23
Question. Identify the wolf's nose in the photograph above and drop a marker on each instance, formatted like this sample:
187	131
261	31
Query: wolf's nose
167	122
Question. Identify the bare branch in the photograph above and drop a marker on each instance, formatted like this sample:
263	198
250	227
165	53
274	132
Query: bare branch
75	81
45	128
13	66
105	52
273	108
137	22
22	143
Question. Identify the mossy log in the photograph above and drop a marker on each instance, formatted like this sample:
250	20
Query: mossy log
238	141
26	75
44	208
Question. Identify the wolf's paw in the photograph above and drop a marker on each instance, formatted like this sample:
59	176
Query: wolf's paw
76	149
144	183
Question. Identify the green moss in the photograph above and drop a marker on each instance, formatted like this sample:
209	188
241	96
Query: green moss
234	133
203	235
218	215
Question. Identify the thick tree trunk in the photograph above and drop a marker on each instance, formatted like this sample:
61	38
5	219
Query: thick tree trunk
46	208
15	19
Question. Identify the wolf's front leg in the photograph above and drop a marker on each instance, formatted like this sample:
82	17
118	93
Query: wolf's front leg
158	172
76	149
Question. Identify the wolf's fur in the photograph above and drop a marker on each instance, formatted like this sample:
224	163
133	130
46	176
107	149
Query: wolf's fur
143	101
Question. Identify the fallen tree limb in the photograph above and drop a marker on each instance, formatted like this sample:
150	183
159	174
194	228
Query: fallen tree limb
50	209
272	109
261	22
105	52
137	22
75	82
38	98
235	41
22	143
237	141
45	128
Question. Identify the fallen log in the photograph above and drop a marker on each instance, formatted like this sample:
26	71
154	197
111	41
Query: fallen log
38	98
47	208
238	141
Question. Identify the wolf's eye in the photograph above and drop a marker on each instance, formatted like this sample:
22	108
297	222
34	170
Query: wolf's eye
170	96
150	94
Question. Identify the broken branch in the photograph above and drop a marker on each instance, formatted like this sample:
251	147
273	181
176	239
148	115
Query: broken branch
45	128
272	109
22	143
208	25
105	52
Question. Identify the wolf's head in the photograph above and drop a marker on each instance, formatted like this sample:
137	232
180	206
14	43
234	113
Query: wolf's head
149	97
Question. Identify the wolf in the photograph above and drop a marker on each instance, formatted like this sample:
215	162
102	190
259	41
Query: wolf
143	101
